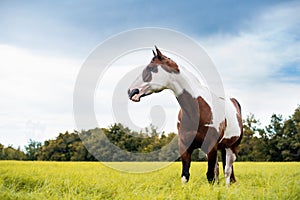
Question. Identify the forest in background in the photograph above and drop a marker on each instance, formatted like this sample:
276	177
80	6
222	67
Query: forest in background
278	141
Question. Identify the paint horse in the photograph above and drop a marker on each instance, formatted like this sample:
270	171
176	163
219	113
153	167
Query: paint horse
199	124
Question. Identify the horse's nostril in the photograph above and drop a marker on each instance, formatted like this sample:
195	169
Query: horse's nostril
132	93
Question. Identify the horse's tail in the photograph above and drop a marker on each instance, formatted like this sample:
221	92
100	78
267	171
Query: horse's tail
239	109
238	104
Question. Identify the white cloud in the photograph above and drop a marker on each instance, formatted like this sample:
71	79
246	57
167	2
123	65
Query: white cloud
250	61
36	95
37	90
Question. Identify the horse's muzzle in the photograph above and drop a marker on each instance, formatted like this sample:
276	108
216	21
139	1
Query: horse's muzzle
132	93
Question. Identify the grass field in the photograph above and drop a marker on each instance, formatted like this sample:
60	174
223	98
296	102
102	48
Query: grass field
82	180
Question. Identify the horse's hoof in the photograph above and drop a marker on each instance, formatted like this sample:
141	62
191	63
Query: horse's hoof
183	180
232	181
211	181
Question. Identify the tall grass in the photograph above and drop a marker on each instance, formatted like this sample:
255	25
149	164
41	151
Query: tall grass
82	180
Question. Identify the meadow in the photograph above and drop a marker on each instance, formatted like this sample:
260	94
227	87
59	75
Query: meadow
93	180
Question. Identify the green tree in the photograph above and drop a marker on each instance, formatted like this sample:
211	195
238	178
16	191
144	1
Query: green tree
169	150
10	153
275	133
252	145
289	143
1	152
32	149
245	148
66	147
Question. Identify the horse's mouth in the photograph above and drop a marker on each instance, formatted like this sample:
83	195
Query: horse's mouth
136	98
135	95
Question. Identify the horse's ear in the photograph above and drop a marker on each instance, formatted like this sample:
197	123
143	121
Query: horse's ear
159	54
153	53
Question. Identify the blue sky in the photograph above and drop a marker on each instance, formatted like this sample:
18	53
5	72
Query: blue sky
73	28
254	44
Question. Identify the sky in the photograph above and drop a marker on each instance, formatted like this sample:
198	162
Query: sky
255	46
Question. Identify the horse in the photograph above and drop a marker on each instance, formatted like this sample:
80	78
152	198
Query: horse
199	124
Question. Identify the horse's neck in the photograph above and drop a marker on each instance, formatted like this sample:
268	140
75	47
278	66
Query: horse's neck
187	82
195	100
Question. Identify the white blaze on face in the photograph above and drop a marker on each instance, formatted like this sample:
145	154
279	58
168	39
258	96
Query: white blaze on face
139	85
160	80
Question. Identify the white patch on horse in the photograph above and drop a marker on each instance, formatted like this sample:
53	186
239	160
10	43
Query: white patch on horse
187	81
160	79
221	107
183	180
230	158
233	128
181	81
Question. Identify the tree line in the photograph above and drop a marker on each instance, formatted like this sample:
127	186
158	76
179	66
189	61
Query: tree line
278	141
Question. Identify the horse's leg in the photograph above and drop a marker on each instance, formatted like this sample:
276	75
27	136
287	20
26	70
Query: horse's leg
232	177
230	158
186	163
217	171
223	155
212	159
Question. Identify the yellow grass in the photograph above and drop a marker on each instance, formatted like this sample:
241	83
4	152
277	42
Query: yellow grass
83	180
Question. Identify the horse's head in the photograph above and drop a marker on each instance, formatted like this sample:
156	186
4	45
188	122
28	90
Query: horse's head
156	76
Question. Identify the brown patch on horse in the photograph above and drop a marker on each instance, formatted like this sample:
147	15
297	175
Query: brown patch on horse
206	116
166	63
179	119
147	72
190	114
170	66
159	60
195	118
222	128
228	142
190	108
